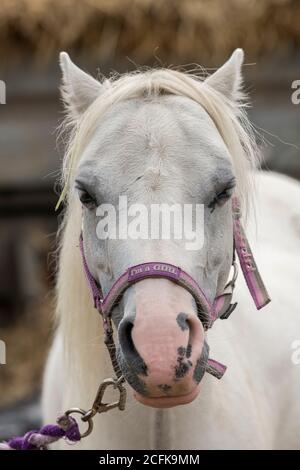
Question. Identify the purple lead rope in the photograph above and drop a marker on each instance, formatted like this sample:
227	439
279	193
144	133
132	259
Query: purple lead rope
66	428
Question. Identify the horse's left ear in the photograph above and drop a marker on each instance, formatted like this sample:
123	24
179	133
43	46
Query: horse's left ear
78	89
228	78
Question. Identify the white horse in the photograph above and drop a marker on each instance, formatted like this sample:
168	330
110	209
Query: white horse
165	136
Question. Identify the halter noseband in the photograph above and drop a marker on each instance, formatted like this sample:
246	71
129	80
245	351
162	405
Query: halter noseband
207	312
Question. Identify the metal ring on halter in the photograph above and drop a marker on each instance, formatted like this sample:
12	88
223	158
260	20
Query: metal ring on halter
83	413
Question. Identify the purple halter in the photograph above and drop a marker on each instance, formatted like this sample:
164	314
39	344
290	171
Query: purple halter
208	312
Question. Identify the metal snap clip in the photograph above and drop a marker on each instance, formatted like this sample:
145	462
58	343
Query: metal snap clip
101	407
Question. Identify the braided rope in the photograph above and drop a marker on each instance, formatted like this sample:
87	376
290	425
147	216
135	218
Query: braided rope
66	428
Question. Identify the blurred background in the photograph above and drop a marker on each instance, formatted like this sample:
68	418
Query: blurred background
102	36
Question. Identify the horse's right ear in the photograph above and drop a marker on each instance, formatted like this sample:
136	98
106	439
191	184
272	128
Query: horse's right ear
78	89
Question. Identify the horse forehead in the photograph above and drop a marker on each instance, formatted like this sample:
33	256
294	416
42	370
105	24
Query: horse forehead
171	121
138	134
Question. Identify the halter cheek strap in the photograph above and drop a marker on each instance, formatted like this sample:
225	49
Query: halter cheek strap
208	312
251	274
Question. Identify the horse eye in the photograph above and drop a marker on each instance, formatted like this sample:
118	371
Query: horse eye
220	198
224	196
86	199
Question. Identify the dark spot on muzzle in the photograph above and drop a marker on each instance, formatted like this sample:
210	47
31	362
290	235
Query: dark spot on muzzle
201	364
165	388
181	369
182	321
183	366
189	350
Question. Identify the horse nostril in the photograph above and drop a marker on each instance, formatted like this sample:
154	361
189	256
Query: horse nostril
131	355
189	324
125	338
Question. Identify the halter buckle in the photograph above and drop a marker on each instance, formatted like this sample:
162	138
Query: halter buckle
232	281
228	312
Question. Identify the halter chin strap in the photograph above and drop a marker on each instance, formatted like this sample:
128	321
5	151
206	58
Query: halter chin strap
208	312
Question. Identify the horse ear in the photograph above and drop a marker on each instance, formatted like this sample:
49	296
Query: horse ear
78	89
228	78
